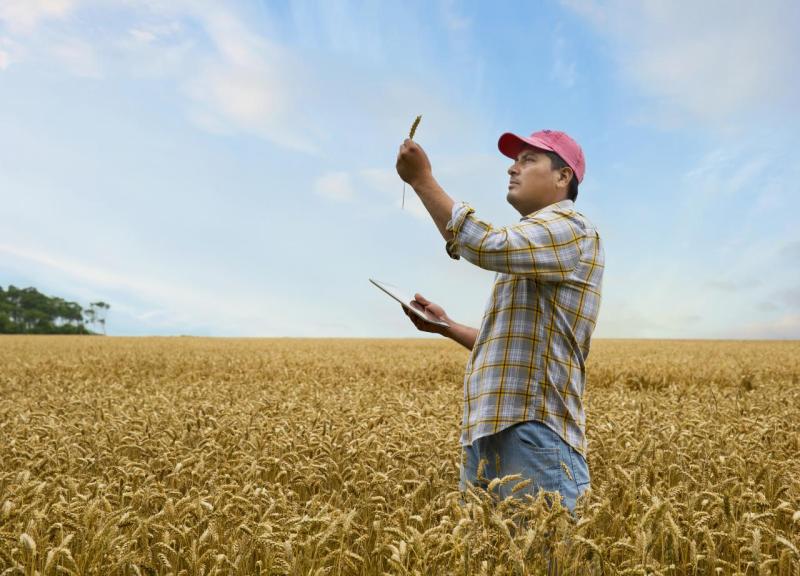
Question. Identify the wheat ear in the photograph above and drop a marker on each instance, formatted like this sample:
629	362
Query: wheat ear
411	137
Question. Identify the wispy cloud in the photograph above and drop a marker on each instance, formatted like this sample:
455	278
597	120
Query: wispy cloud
236	79
336	186
79	57
388	185
163	302
22	16
240	80
248	83
725	172
706	61
327	91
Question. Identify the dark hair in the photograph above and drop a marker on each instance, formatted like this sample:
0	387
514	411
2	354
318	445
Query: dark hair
558	163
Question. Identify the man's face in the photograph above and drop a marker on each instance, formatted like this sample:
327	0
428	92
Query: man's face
533	183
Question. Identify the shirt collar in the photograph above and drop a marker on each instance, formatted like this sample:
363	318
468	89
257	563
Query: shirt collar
566	203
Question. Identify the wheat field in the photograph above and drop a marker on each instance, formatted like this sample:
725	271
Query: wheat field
336	456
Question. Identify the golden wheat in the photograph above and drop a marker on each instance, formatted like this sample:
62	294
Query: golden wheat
300	456
414	127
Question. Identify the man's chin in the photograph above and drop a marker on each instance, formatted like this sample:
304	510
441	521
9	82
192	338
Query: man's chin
512	200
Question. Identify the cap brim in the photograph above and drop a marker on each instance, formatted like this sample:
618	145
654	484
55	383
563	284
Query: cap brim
511	145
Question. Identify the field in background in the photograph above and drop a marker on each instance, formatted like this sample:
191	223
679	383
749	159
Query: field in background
284	456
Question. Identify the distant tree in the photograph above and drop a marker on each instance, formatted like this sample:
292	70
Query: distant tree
96	312
90	316
28	311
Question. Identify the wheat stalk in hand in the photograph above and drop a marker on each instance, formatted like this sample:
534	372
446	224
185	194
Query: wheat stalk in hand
411	137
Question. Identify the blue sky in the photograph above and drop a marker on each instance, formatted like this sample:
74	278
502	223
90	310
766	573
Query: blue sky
227	169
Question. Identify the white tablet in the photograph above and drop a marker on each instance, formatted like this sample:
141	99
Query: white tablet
406	301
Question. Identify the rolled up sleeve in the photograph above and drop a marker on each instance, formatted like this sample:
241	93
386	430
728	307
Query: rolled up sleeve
457	216
546	248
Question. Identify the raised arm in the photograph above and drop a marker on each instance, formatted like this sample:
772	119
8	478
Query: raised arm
414	167
545	247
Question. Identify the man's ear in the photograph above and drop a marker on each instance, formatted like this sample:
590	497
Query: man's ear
564	174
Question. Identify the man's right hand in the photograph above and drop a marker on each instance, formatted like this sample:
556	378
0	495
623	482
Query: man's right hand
423	304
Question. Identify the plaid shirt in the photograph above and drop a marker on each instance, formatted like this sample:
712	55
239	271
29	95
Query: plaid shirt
528	362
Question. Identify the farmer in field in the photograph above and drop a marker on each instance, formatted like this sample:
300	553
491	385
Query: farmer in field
524	380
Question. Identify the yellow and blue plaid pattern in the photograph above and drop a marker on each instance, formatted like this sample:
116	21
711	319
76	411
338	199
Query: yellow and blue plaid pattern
528	362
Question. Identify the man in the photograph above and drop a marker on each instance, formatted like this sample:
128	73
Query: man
524	380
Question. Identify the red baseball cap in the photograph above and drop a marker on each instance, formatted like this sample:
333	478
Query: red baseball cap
552	140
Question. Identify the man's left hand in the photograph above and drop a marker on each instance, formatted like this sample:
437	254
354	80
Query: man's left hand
413	165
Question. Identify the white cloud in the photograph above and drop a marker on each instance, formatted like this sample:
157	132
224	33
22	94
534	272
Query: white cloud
22	16
389	186
336	186
413	205
161	49
237	80
723	173
10	52
189	306
148	33
79	57
383	180
250	83
707	61
145	288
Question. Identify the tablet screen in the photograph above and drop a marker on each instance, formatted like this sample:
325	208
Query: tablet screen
405	299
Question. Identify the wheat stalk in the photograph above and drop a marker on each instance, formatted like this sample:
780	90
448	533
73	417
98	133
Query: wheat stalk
410	137
414	127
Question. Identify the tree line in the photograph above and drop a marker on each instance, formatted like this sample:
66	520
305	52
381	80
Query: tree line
28	311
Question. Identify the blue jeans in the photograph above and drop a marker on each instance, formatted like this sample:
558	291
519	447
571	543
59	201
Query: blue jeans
533	450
